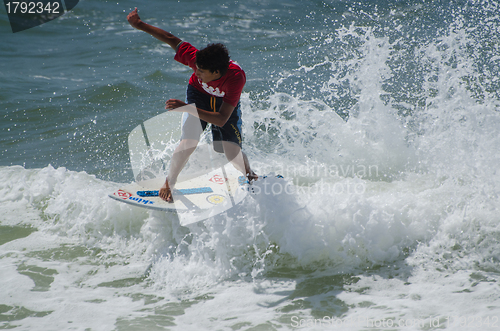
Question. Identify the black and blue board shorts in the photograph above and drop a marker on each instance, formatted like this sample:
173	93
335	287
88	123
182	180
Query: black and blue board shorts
192	126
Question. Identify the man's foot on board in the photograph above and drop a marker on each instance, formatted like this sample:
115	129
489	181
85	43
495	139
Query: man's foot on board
165	192
252	176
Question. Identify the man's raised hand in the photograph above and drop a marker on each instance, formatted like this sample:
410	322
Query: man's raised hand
134	19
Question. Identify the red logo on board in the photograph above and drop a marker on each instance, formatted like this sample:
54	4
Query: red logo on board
218	179
123	194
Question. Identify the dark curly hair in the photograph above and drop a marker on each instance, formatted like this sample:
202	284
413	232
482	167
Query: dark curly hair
213	57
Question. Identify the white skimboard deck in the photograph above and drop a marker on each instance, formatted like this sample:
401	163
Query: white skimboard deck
216	191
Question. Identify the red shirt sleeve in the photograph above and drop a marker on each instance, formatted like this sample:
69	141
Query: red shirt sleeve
186	54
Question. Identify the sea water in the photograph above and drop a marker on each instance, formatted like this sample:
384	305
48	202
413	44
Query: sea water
383	117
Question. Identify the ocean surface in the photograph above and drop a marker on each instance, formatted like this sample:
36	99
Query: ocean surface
384	116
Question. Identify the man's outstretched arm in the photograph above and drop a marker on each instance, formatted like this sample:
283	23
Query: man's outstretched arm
134	20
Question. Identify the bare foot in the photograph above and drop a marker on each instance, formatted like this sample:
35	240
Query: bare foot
165	192
252	176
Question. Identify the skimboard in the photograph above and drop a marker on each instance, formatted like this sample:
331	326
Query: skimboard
219	189
207	185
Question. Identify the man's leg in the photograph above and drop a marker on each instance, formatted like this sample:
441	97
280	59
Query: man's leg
192	128
251	176
179	158
235	155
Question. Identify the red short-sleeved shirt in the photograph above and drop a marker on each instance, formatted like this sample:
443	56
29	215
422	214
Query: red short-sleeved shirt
228	87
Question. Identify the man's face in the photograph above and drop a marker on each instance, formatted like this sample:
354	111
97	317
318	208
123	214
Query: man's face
206	75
